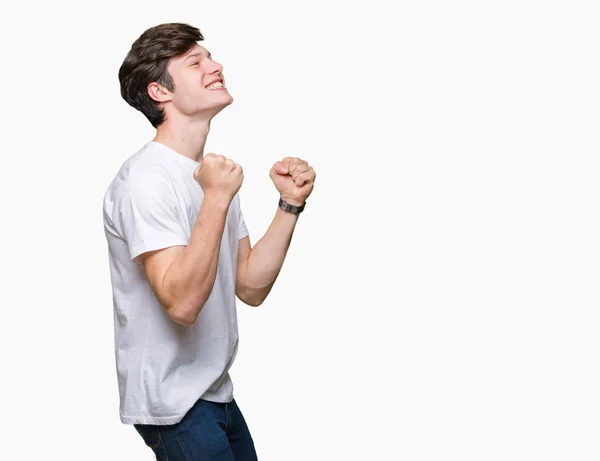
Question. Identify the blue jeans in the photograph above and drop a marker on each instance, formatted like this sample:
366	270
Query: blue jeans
208	432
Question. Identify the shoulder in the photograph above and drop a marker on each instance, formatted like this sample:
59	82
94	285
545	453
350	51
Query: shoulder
147	172
142	178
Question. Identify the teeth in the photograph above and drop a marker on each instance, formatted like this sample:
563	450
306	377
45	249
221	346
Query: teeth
215	85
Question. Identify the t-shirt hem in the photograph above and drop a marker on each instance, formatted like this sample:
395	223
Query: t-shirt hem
154	420
166	420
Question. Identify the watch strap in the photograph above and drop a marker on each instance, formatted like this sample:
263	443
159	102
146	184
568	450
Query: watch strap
285	206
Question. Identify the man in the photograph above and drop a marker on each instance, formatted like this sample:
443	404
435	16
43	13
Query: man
179	253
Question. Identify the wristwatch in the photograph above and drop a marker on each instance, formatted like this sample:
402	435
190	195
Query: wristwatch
285	206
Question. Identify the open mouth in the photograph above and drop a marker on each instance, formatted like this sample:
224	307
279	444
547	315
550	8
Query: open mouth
215	86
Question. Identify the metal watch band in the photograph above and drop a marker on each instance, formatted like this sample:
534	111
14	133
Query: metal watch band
285	206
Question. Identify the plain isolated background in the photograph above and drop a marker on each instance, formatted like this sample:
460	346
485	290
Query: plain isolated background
440	297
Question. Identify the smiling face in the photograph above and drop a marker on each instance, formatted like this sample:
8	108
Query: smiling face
199	85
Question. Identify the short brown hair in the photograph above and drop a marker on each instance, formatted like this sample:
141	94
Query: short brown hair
147	62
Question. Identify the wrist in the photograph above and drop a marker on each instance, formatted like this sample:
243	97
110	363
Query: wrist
289	208
218	200
292	201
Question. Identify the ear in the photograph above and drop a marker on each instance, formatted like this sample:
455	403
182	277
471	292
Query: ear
158	92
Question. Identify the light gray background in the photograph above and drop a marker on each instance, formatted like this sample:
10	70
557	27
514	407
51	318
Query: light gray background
440	298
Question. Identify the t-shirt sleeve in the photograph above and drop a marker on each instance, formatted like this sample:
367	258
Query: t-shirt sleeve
242	228
149	215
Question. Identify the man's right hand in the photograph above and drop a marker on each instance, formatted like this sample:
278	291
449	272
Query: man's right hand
219	176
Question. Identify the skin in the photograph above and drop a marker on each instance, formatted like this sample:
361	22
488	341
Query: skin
182	277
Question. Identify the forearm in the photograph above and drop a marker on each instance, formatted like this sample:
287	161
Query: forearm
191	277
267	257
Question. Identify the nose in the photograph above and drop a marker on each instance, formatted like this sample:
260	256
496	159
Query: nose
213	67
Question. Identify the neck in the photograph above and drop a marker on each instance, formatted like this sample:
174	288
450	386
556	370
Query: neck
185	137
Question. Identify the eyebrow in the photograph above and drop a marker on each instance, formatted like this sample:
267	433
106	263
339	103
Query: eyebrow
198	55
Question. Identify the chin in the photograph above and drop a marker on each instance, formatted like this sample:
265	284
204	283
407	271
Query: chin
211	108
226	102
218	108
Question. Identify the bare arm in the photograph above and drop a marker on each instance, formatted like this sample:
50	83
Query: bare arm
258	267
183	277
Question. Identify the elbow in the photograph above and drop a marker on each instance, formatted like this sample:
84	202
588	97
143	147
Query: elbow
185	321
184	315
181	318
252	298
254	302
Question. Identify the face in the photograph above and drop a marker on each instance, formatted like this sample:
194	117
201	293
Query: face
199	84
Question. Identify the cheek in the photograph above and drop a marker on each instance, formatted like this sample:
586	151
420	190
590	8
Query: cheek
189	83
189	93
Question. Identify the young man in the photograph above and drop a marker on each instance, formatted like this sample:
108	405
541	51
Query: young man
179	254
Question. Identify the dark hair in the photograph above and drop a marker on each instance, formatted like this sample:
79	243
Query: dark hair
147	62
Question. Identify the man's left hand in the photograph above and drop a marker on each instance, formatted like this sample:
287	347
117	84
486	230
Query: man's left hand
294	178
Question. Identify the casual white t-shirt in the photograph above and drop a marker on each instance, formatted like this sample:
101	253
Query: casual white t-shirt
164	367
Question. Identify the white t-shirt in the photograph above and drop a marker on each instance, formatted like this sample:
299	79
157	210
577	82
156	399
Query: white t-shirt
164	367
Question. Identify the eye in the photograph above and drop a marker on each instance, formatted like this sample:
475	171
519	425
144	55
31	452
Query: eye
195	63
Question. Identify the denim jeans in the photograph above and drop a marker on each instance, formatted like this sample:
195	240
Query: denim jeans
208	432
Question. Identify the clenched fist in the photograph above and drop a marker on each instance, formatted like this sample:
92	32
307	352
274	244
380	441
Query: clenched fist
219	176
294	178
